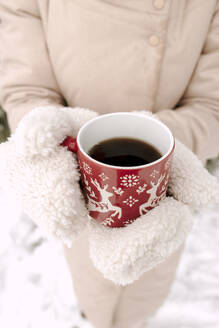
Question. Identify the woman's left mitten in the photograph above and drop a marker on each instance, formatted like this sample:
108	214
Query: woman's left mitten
124	254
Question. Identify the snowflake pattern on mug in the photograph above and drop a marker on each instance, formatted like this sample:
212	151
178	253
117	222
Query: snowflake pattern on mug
127	222
130	180
87	168
130	201
118	191
141	189
108	221
154	174
103	176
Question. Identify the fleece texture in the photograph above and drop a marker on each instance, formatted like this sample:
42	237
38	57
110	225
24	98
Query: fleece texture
124	254
190	182
44	178
41	131
42	175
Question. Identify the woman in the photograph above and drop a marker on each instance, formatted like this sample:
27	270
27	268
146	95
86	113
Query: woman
158	55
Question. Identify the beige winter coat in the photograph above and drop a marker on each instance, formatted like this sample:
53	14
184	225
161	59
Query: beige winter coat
110	56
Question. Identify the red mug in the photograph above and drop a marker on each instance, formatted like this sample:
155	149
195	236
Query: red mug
116	196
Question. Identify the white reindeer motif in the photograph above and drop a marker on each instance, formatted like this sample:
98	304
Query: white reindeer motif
153	198
104	205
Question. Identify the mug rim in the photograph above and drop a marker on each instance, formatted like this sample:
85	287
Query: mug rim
148	117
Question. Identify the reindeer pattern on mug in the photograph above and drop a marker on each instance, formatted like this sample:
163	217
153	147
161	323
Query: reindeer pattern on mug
99	193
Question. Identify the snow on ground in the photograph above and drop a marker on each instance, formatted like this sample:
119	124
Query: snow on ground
36	289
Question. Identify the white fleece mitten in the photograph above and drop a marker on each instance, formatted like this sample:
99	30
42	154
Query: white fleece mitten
124	254
42	175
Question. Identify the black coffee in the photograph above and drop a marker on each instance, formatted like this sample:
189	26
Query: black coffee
124	152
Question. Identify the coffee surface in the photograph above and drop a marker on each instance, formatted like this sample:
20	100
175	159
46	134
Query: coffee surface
124	152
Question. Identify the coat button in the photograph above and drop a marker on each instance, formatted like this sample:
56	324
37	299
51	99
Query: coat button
154	40
159	4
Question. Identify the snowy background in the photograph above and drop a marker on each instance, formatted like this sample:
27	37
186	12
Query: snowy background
36	289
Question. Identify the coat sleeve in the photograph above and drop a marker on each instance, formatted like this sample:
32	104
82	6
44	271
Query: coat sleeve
195	120
26	76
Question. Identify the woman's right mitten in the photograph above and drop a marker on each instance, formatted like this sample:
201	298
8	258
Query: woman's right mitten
42	175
